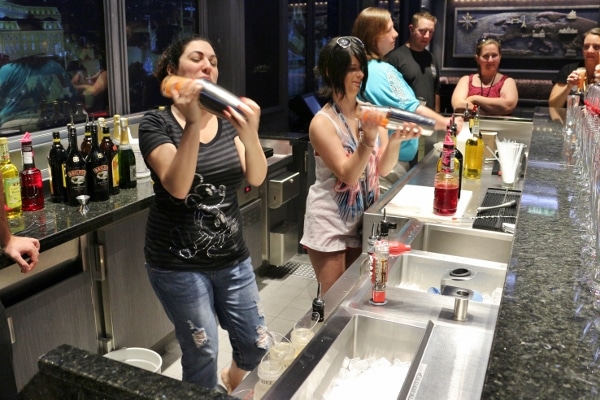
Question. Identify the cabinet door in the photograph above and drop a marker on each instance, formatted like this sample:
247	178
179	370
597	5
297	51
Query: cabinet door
133	315
61	314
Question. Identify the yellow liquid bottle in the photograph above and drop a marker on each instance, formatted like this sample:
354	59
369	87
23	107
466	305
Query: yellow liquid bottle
474	150
11	181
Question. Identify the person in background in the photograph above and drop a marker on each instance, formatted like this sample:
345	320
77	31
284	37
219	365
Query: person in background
566	77
386	85
417	65
196	257
15	247
93	90
493	92
349	156
27	82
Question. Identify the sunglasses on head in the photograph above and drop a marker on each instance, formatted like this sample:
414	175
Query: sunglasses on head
345	41
484	39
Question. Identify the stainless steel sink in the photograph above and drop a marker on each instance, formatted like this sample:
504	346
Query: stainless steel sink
427	272
346	337
464	242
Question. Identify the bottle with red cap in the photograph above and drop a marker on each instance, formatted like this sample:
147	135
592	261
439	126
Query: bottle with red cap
32	190
445	193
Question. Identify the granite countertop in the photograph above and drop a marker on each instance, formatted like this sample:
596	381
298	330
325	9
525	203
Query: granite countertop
58	223
546	342
70	373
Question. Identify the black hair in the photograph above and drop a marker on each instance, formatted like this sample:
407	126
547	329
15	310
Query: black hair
170	56
333	64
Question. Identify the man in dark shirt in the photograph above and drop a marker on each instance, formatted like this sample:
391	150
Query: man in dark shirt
417	65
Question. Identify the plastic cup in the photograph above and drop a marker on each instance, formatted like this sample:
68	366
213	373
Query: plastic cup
281	349
303	332
510	162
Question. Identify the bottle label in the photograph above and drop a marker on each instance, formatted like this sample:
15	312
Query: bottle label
76	179
27	157
5	155
12	192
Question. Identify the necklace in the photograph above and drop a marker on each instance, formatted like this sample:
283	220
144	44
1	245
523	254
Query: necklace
342	118
481	86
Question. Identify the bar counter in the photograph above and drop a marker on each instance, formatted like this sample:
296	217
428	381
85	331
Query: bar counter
546	342
546	338
58	223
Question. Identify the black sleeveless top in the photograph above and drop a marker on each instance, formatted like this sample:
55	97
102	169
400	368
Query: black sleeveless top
204	230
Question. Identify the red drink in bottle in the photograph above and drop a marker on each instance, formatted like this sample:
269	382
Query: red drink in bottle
445	198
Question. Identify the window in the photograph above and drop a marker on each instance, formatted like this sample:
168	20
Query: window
151	27
52	63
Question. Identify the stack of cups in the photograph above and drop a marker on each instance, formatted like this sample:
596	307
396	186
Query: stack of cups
509	153
572	105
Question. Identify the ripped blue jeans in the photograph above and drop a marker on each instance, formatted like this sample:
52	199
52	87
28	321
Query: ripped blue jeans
196	301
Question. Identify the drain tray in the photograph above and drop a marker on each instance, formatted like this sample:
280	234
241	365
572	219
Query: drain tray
492	220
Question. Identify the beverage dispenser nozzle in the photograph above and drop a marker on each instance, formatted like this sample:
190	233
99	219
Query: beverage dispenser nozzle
318	306
385	225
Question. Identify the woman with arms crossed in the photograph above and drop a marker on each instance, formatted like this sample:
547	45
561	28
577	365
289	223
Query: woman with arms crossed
493	92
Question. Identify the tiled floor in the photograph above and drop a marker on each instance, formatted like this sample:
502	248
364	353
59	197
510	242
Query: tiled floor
286	292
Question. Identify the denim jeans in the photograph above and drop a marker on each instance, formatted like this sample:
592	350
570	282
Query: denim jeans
196	301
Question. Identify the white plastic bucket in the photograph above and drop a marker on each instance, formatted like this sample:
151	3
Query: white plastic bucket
138	357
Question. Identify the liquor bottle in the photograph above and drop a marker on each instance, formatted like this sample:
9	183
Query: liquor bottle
458	157
116	138
474	150
99	129
97	173
465	132
86	143
109	149
127	177
32	189
56	159
381	267
445	192
75	172
11	181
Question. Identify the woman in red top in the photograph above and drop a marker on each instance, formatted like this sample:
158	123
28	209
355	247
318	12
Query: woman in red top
493	92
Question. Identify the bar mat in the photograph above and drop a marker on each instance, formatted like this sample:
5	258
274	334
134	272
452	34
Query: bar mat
492	220
268	151
290	268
